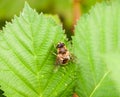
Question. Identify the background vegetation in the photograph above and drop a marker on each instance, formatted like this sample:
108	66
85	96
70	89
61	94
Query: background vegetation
65	9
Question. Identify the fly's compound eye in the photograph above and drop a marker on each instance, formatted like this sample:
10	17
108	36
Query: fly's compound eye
60	45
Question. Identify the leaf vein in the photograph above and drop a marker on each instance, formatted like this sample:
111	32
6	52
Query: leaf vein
99	83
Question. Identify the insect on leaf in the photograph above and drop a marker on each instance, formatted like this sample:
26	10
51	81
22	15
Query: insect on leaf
26	59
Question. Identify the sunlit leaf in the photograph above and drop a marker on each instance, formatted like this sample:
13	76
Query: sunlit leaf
27	61
113	63
95	34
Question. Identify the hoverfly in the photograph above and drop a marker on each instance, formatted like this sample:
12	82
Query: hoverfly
63	55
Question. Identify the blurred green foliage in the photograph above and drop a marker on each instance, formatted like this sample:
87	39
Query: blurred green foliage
86	4
63	8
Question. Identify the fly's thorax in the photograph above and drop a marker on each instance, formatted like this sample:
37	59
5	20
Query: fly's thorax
61	50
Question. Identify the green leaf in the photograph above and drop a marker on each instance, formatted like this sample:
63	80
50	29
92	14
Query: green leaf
95	34
55	17
27	62
113	63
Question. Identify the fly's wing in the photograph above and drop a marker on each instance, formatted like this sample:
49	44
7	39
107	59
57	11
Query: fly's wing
59	59
57	64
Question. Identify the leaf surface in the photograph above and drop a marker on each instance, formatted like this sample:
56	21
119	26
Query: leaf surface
96	33
113	63
27	61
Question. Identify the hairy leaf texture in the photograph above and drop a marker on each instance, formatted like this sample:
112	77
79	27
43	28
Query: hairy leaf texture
27	61
96	33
